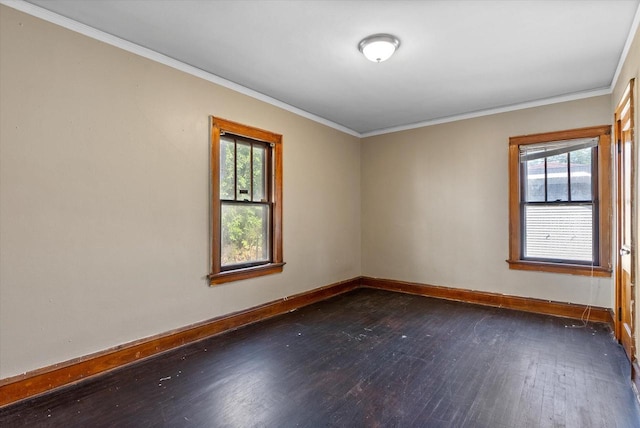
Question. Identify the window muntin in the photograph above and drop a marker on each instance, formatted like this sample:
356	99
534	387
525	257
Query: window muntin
560	201
246	202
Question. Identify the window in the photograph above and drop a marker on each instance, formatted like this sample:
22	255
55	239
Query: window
246	202
560	201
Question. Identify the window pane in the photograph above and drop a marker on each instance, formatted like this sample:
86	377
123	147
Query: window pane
227	166
534	187
559	232
259	172
243	152
244	231
581	174
557	178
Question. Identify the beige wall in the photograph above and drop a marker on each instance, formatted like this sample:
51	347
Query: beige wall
631	69
104	197
435	204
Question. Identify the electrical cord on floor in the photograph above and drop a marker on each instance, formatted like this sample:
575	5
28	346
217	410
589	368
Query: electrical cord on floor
587	310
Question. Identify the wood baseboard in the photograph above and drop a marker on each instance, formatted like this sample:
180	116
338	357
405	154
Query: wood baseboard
568	310
43	380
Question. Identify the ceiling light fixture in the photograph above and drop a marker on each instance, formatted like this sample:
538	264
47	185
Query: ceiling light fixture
379	47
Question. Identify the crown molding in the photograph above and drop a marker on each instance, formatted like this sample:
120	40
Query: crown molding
96	34
112	40
625	50
488	112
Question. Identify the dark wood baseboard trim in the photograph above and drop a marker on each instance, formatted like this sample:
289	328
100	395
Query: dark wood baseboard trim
43	380
526	304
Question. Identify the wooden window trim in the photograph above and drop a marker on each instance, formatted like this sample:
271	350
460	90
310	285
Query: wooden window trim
217	275
604	267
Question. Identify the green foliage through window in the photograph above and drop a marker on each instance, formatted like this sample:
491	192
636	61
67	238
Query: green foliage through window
246	202
244	207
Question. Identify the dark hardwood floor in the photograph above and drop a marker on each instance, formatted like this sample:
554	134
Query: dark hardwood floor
367	358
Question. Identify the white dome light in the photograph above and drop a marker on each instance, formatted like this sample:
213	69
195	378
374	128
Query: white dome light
379	47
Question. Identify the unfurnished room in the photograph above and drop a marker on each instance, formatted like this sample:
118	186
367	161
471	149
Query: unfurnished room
219	213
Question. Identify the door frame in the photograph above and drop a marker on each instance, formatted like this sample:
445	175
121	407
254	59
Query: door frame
635	369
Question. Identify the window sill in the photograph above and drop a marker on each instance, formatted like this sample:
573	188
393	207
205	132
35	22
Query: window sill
246	273
599	271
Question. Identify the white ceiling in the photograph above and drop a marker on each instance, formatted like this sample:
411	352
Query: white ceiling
456	59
